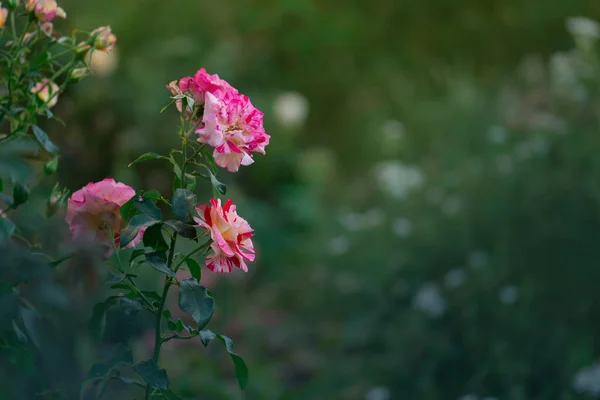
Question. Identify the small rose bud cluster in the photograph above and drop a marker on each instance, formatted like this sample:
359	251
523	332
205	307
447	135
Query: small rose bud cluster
45	11
229	122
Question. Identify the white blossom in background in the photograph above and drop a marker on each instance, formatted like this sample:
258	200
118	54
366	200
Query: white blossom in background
352	221
452	206
290	109
402	227
435	195
497	134
549	121
523	150
587	380
338	245
468	397
585	31
429	301
505	164
398	179
392	130
373	218
378	393
564	76
509	294
477	259
455	278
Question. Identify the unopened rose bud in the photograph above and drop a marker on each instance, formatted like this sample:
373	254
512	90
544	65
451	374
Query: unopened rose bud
13	3
3	16
47	28
104	39
45	10
79	73
47	92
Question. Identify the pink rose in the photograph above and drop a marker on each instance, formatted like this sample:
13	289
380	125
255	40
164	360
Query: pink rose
3	16
93	212
45	10
197	86
47	92
231	236
104	40
234	127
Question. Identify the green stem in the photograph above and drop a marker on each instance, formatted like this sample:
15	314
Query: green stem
158	331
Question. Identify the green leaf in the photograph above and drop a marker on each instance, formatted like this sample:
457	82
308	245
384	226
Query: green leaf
7	228
128	210
137	222
153	237
128	381
184	203
97	323
241	370
138	252
152	374
206	336
158	261
221	187
131	306
146	157
51	166
32	323
194	268
152	195
43	139
183	229
195	300
146	206
20	195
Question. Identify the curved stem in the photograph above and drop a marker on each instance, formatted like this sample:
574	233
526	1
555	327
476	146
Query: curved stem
163	298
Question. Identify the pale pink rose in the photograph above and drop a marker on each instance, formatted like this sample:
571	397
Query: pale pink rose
234	127
231	236
47	92
93	212
45	10
104	40
3	16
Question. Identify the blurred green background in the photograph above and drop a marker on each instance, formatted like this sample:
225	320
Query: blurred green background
427	215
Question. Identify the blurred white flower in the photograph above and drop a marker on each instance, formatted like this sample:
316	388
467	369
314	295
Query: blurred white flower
509	294
392	131
468	397
378	393
549	121
398	179
582	27
455	278
373	218
338	245
429	300
402	227
504	164
477	259
352	221
539	144
290	109
587	380
497	134
564	73
435	195
452	205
